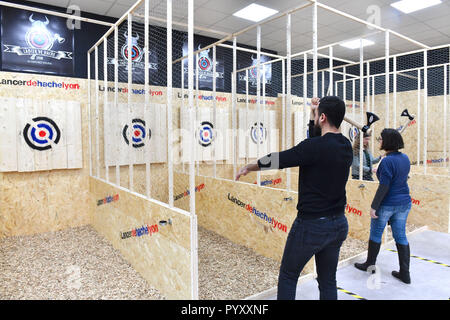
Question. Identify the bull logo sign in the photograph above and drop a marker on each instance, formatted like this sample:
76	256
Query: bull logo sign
265	72
40	42
136	54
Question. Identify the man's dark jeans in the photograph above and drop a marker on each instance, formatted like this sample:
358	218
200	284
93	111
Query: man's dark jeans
322	238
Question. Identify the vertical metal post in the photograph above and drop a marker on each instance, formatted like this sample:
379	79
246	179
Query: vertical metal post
394	91
386	52
193	227
89	112
169	97
331	71
130	109
305	91
425	110
214	144
419	98
314	33
116	88
233	106
97	125
146	103
288	95
105	103
258	98
361	103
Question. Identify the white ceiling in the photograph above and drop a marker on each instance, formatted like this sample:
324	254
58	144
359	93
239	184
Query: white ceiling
430	26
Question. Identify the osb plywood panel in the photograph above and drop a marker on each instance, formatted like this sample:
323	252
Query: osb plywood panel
430	201
261	221
429	207
435	123
48	200
162	257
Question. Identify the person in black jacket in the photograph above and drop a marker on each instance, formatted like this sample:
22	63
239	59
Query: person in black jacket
321	226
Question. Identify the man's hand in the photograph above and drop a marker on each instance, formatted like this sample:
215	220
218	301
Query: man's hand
314	106
242	172
373	214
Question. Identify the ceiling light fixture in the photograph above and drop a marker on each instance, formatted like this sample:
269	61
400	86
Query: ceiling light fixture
408	6
255	12
355	44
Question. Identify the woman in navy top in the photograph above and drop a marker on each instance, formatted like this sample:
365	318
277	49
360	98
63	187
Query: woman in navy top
391	203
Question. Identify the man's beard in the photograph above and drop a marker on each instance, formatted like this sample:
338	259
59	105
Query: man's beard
317	131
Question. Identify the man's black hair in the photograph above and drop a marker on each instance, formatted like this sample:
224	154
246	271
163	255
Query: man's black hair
334	108
392	140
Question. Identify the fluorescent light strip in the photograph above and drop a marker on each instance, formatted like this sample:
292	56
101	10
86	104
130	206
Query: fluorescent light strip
255	12
408	6
355	44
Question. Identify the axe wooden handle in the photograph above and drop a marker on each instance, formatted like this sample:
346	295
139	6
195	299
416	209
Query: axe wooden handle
356	124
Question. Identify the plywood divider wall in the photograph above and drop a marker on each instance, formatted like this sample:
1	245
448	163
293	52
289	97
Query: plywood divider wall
255	217
160	253
43	201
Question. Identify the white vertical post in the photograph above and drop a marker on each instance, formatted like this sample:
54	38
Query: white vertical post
116	88
315	83
97	125
169	97
322	80
373	110
331	71
247	138
233	107
394	92
354	98
258	98
425	110
198	157
194	230
89	111
182	109
361	102
344	86
419	84
446	76
283	106
314	33
105	103
147	108
129	118
305	90
288	95
386	51
214	144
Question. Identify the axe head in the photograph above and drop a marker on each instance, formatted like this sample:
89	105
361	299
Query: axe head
405	113
371	118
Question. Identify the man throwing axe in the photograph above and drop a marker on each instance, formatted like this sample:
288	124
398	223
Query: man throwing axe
321	226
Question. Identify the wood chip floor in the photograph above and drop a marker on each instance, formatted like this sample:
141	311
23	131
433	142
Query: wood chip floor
79	264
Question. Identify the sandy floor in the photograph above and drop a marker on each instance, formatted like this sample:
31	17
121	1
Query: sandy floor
79	264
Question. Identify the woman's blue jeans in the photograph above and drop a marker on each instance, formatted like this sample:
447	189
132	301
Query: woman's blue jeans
321	238
397	216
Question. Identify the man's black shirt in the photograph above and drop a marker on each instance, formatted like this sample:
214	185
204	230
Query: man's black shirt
324	163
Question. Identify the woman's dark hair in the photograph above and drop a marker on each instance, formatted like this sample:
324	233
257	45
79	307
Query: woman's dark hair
392	140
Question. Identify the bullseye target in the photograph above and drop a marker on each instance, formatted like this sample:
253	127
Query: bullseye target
135	53
204	63
352	133
206	134
262	136
138	133
41	134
